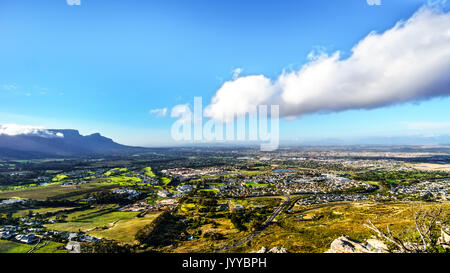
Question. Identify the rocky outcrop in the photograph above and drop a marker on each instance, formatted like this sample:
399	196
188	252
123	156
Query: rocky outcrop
345	244
272	250
444	240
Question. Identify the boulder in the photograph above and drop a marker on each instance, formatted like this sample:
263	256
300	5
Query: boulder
345	244
272	250
278	250
444	240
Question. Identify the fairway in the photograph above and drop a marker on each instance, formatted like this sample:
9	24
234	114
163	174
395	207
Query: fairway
105	222
56	191
125	229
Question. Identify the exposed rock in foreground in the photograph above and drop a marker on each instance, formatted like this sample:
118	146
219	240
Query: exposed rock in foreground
444	240
272	250
345	244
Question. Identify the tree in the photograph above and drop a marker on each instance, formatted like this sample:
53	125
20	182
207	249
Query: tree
420	238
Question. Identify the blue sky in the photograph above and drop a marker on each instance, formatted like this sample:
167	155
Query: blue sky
103	65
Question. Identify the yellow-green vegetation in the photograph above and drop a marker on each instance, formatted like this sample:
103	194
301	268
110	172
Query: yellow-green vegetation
13	247
50	247
43	247
188	207
125	229
100	219
56	191
24	187
165	180
115	170
324	223
59	177
253	184
24	212
251	173
122	180
222	226
105	222
258	202
211	190
148	172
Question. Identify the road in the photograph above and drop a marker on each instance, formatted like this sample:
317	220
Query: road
264	226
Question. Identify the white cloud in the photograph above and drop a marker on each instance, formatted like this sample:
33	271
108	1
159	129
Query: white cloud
237	72
373	2
16	129
409	62
9	87
162	112
73	2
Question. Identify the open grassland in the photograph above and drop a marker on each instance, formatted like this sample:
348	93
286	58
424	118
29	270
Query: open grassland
89	219
105	222
125	229
51	247
431	167
121	180
202	244
15	247
24	212
315	228
56	191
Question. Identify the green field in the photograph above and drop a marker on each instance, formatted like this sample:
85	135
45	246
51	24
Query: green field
55	191
110	172
59	177
105	222
14	247
166	180
125	229
148	172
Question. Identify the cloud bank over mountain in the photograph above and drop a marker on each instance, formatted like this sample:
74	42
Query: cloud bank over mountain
409	62
16	129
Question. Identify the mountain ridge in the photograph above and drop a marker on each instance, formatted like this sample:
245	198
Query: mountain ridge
60	143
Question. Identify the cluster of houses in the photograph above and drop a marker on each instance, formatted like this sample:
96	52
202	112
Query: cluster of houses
160	205
437	189
127	193
185	188
12	202
287	183
72	183
29	235
15	233
326	198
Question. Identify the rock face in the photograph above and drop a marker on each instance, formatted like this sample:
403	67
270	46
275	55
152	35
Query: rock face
444	240
345	244
273	250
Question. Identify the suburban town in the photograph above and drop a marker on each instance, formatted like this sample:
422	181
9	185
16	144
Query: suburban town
210	205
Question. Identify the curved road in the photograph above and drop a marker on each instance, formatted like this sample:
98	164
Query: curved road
264	226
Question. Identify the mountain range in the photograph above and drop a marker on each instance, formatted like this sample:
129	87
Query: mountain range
60	143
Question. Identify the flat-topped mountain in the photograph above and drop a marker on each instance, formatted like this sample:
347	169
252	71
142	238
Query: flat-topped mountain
58	142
